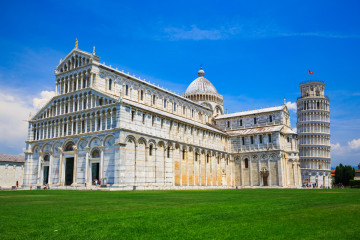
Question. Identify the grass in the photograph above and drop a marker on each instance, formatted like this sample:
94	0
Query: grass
210	214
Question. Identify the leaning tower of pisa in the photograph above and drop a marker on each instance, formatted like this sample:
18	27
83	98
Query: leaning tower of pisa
313	127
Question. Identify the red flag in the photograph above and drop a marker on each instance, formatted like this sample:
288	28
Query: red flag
310	72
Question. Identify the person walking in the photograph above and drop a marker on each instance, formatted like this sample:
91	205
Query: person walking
17	184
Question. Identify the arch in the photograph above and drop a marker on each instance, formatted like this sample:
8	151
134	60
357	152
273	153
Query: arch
152	141
81	144
95	152
143	141
264	157
94	141
69	146
131	138
206	104
169	144
161	144
36	147
109	140
46	147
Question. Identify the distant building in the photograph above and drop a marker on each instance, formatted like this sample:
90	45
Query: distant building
11	170
357	173
333	176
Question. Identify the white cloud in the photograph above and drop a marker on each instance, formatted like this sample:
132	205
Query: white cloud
354	144
348	154
15	108
243	30
45	96
291	106
194	33
335	146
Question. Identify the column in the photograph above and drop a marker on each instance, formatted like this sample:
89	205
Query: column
194	157
91	100
91	80
79	81
39	168
242	172
187	167
102	163
45	131
280	172
294	166
73	79
268	167
78	103
68	84
260	178
75	165
111	119
87	181
86	124
60	180
206	168
181	158
50	168
91	124
250	170
96	122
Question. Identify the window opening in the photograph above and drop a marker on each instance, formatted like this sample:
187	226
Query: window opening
246	163
132	115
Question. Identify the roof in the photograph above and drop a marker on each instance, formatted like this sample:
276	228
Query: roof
256	130
12	158
170	115
200	86
289	130
152	85
245	113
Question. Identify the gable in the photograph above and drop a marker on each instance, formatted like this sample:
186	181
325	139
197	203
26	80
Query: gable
76	58
73	101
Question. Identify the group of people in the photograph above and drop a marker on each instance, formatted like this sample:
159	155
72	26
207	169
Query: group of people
97	182
312	185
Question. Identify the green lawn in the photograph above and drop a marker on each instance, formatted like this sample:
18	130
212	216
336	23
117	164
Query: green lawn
210	214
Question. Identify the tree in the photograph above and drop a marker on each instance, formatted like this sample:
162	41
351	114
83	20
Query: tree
343	174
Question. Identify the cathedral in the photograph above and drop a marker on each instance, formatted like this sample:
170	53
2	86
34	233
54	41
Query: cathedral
110	128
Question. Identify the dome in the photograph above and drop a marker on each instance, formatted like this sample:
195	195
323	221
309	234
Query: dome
201	85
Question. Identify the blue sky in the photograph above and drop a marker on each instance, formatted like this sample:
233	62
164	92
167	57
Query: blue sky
255	53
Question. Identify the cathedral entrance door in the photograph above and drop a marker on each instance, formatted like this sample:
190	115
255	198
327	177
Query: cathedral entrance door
69	171
46	175
265	180
95	173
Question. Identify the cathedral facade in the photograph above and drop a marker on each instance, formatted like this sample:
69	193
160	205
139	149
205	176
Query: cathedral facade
109	127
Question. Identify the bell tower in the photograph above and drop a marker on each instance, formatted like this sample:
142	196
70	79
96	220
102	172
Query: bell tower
313	127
